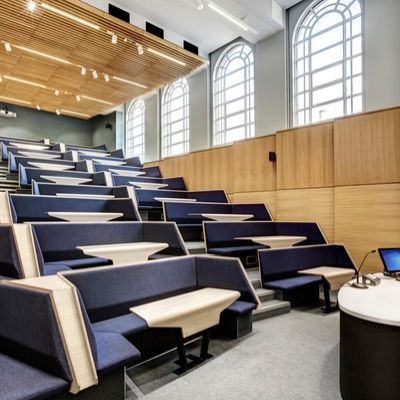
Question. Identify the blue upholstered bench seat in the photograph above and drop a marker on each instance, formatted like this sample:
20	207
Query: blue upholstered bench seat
293	283
125	325
20	381
236	250
241	307
81	262
113	352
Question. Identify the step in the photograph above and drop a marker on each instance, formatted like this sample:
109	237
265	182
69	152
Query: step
196	247
271	308
256	283
265	294
253	273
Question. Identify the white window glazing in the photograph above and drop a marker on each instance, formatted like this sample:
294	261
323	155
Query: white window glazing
328	61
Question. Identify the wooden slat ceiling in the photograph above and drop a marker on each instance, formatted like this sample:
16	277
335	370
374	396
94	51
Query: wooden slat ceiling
58	36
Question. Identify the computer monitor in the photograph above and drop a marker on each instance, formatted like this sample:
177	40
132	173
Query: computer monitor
391	259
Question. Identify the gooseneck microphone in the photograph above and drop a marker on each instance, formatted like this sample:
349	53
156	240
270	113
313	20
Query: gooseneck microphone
358	284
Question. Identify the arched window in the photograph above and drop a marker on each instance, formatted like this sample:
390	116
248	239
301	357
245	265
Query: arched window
233	92
175	118
135	129
327	61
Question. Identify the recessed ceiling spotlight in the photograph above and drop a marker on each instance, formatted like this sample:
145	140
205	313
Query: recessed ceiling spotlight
38	107
106	78
31	5
140	49
200	4
126	40
7	46
58	112
114	39
78	98
57	92
94	74
83	71
1	79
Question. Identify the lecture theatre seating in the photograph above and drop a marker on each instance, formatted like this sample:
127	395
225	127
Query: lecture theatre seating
29	208
56	243
14	161
145	198
9	262
279	270
220	236
109	292
18	151
26	175
52	189
172	183
150	172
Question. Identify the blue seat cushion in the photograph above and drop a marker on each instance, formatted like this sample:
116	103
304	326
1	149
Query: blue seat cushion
19	381
113	352
125	325
6	278
53	269
293	283
241	307
82	262
236	250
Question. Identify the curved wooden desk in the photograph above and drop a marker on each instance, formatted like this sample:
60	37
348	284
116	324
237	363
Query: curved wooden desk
370	341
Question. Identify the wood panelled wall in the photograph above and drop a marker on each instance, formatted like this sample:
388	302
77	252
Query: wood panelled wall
344	174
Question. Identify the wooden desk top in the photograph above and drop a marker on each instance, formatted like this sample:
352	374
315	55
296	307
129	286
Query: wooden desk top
336	276
193	312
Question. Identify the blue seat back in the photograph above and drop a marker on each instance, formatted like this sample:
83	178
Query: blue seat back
151	172
211	196
58	241
29	330
223	234
16	151
259	211
26	175
14	161
173	183
110	292
145	197
309	229
26	208
283	263
9	262
51	189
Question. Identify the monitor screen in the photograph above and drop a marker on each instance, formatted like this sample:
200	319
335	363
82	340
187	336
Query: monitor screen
391	259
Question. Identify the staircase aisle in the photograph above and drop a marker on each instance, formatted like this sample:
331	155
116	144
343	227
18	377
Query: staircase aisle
5	182
270	304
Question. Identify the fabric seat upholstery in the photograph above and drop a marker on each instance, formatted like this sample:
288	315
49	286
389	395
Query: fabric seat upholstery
236	250
21	381
82	262
53	269
293	283
113	351
125	325
241	307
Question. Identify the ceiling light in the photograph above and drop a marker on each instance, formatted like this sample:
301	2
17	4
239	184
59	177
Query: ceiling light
129	82
114	39
58	112
235	20
98	100
83	71
38	107
140	49
200	4
31	5
126	40
7	46
94	74
166	56
78	98
57	92
106	78
13	99
39	53
70	16
11	78
75	113
1	79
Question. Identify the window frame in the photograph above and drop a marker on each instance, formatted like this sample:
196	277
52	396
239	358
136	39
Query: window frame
166	122
219	89
134	106
346	96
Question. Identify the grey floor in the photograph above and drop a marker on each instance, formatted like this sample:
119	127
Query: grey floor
290	357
